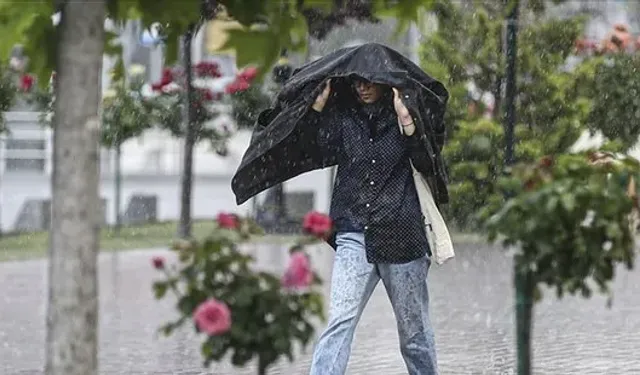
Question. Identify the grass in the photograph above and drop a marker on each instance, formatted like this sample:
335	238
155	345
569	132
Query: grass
34	245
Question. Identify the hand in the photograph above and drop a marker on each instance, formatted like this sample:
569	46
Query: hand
321	100
401	110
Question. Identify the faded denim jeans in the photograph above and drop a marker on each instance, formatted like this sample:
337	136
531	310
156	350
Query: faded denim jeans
353	282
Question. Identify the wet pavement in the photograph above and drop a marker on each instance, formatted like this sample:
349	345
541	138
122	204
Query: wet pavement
472	311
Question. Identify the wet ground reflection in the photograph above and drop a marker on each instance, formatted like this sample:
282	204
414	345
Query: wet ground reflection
471	308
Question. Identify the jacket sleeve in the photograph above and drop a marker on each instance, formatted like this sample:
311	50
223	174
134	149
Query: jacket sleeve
439	129
328	134
419	157
415	142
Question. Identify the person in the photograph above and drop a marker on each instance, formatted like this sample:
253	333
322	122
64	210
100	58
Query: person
380	118
379	227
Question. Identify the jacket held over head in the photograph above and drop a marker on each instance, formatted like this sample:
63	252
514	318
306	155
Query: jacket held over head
284	146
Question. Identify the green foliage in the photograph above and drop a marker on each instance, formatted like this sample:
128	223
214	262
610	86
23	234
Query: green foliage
267	26
573	222
267	319
7	94
126	114
473	162
616	91
248	104
551	107
29	24
168	108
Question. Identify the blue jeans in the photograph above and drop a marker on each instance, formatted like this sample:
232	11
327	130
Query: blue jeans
352	284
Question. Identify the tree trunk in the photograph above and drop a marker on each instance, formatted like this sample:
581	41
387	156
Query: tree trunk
72	316
184	228
117	185
262	367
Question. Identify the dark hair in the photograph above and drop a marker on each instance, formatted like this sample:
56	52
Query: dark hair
344	94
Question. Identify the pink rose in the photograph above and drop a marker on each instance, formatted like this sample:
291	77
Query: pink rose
298	273
248	74
158	262
228	221
317	224
212	317
239	84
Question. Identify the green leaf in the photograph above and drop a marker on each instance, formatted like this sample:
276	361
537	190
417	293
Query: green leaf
168	328
568	201
160	289
405	11
253	46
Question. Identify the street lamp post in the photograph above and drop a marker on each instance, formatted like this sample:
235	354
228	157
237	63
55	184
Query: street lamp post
523	281
510	89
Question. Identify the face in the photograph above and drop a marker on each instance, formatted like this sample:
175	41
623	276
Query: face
368	92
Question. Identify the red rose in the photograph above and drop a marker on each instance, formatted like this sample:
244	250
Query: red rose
317	224
26	82
228	221
158	262
546	162
530	184
167	77
207	94
207	69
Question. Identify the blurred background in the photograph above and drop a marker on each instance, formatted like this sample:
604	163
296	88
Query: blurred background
152	161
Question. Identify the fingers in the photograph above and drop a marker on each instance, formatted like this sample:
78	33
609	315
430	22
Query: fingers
324	94
322	98
327	89
401	109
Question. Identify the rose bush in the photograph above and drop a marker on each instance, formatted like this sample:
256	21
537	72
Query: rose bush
210	88
572	221
243	312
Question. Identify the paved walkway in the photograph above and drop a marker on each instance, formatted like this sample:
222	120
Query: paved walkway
471	308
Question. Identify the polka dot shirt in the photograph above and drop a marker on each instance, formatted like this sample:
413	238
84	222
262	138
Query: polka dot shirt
374	190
